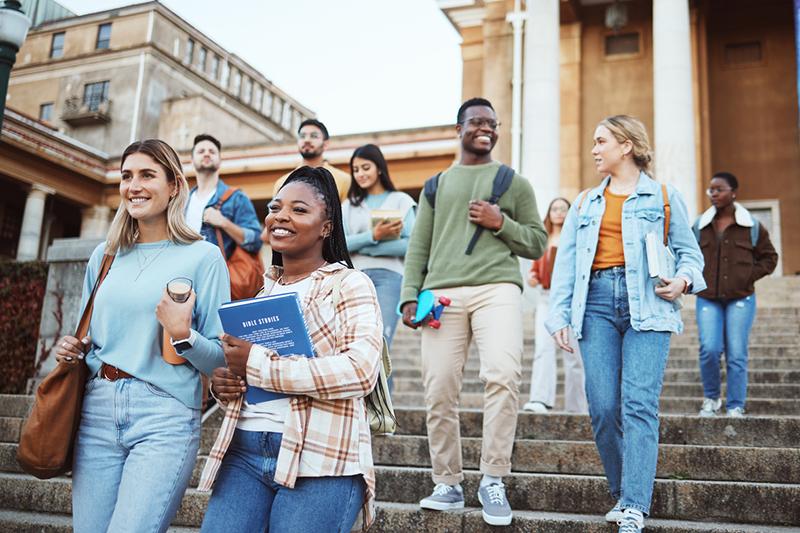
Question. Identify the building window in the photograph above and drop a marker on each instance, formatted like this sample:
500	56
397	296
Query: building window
622	44
46	112
236	83
176	47
103	36
258	95
226	74
201	58
95	94
247	90
743	54
214	66
189	57
57	45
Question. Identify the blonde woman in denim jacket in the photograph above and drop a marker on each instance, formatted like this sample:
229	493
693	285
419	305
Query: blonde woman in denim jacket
622	318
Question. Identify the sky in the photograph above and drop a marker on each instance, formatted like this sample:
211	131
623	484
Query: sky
360	65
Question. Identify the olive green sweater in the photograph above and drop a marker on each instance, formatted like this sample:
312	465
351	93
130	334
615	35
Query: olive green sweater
436	258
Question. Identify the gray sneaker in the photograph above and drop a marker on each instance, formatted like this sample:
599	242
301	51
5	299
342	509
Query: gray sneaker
615	514
710	407
444	498
496	510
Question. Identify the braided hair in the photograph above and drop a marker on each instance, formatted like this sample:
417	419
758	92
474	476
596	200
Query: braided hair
334	246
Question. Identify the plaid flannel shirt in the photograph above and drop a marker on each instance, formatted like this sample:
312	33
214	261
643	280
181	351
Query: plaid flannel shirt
327	430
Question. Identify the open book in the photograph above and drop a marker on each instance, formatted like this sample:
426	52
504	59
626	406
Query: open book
275	322
660	261
379	215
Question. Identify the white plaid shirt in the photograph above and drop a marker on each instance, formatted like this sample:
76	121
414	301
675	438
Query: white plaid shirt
327	430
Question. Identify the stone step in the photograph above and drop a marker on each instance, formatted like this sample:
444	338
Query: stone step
9	429
15	405
404	518
676	405
755	351
406	362
688	389
764	503
670	375
767	503
711	463
750	431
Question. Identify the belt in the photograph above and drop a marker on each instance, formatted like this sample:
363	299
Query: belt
112	373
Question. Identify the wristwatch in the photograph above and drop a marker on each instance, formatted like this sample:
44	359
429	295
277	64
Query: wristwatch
184	344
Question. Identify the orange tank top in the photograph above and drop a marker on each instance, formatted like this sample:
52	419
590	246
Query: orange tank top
609	242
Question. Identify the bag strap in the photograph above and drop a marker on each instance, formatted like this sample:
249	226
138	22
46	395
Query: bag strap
500	184
86	317
222	199
667	211
585	194
430	188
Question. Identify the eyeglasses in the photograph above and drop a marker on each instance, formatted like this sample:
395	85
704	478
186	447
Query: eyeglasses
314	136
482	122
717	190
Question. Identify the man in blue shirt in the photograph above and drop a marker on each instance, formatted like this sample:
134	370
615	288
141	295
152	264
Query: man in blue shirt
236	217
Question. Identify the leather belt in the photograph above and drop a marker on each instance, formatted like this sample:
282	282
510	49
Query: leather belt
112	373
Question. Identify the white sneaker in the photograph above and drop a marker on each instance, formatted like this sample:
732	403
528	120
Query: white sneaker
632	521
535	407
615	514
736	412
710	407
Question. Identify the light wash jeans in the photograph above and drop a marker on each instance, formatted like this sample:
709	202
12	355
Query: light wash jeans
724	326
246	498
134	456
624	373
387	286
543	370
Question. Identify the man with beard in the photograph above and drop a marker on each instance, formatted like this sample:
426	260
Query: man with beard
236	217
312	141
485	287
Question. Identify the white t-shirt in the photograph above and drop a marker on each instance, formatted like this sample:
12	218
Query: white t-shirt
194	211
271	415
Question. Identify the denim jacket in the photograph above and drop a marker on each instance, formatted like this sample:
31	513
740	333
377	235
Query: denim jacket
239	210
642	212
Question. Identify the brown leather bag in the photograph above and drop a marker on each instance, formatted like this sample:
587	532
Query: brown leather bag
48	435
245	268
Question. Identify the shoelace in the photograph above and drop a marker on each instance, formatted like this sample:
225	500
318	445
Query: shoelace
441	489
496	493
629	525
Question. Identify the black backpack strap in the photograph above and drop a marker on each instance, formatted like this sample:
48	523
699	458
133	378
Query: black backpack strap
430	188
502	181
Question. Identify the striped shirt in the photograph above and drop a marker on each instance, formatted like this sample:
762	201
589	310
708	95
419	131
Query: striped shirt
327	430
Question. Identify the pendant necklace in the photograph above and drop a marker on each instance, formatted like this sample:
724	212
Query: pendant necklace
145	261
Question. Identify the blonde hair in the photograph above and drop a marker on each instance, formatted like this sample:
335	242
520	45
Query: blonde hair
627	128
125	229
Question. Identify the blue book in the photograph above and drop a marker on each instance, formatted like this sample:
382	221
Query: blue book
275	322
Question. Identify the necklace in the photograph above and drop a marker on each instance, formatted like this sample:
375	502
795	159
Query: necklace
281	281
145	261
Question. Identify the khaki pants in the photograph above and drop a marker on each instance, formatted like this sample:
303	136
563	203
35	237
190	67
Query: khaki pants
492	314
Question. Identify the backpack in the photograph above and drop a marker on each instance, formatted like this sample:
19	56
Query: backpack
754	230
502	181
380	411
245	268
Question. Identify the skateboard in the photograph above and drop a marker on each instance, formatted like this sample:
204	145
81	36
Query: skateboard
429	306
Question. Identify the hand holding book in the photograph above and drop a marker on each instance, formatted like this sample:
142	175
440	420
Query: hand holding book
386	224
236	353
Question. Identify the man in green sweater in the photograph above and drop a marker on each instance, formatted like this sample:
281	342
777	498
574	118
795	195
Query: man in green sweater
486	292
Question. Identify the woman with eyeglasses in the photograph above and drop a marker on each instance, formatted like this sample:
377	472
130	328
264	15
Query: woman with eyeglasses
543	372
737	252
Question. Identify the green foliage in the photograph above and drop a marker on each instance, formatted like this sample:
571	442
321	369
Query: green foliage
22	289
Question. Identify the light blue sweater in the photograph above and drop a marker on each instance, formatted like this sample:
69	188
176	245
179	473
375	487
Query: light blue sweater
124	330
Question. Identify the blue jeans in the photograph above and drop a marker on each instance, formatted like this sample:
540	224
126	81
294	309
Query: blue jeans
724	326
246	498
134	456
387	286
624	371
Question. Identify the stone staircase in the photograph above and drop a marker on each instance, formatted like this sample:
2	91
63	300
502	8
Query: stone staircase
714	475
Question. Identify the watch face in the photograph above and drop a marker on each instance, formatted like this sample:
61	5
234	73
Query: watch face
181	346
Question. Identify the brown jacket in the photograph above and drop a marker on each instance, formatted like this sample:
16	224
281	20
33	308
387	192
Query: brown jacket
733	264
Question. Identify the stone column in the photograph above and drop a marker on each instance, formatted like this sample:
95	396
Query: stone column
497	66
541	157
95	221
31	232
674	135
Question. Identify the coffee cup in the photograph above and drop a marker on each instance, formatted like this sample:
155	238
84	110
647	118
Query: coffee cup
179	289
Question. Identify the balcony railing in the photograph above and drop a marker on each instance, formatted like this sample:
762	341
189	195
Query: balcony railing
78	112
